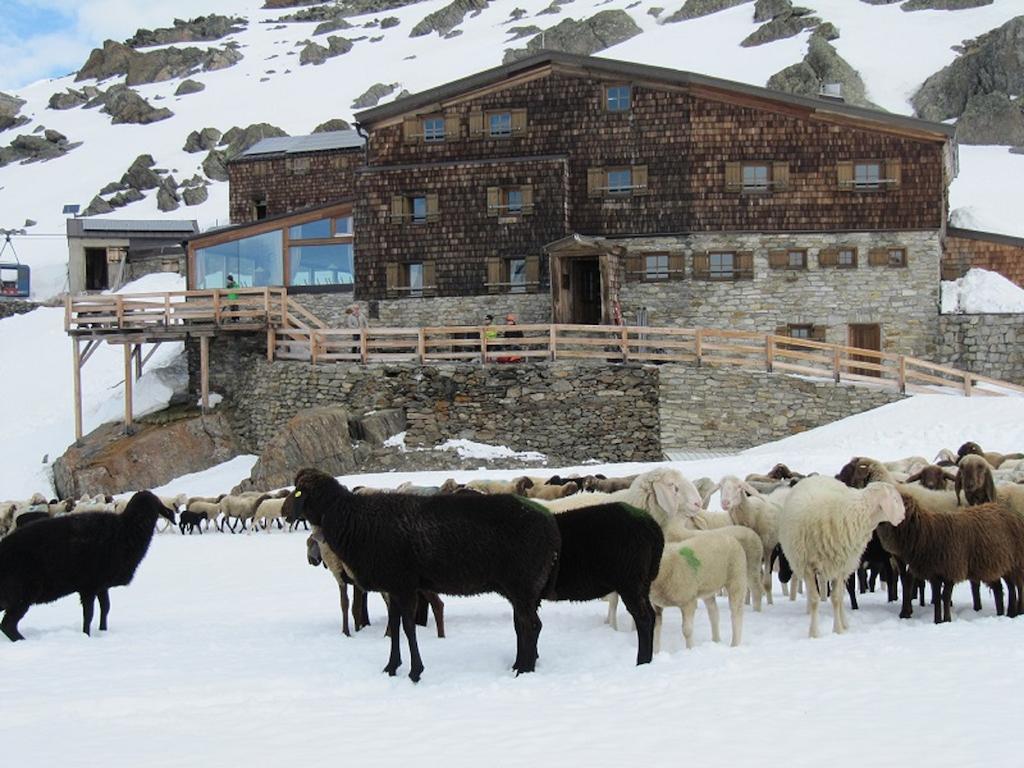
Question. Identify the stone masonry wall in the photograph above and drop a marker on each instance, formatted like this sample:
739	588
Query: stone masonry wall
718	408
992	345
903	300
431	311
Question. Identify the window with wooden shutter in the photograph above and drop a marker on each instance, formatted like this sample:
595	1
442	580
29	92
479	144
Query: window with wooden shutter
897	257
452	128
411	130
518	121
844	173
818	332
828	257
676	266
493	201
392	279
778	259
399	208
780	175
476	123
493	281
640	180
634	263
846	258
893	173
701	265
655	267
429	278
433	211
744	265
878	257
532	273
734	177
527	196
595	182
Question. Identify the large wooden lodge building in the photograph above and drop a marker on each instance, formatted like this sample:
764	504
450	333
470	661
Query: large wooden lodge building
587	190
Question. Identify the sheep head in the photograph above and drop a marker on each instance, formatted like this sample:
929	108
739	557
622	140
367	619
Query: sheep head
313	491
734	491
884	503
673	492
969	448
859	471
932	477
313	556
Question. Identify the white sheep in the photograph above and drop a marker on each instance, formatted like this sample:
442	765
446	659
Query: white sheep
268	511
706	487
241	507
663	493
752	550
760	513
824	529
696	569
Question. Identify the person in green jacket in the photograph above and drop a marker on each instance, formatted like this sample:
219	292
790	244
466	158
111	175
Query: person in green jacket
233	307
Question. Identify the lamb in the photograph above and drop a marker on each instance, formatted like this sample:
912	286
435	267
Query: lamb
592	483
498	486
548	492
824	529
87	505
975	480
696	569
192	521
458	545
611	548
749	508
291	515
663	493
932	477
203	509
752	550
983	543
706	487
84	553
996	460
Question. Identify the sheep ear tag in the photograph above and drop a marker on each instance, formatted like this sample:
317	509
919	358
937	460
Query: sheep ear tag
297	494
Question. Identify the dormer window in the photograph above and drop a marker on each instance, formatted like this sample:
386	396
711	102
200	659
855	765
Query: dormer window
617	98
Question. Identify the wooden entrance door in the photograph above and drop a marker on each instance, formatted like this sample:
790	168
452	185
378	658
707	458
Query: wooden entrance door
585	290
96	269
865	336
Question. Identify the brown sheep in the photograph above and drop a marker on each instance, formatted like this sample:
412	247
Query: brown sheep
607	485
993	458
984	543
975	479
933	477
546	492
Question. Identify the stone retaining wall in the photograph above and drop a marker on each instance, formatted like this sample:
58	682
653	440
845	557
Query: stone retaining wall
992	345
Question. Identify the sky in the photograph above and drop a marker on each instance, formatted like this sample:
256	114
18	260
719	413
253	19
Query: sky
50	38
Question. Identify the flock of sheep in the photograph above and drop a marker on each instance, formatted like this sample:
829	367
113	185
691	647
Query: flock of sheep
648	540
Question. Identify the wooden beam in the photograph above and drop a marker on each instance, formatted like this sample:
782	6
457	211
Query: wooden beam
149	354
204	371
77	372
91	346
137	357
128	425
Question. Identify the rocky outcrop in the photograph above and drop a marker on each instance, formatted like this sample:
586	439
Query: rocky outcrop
314	53
154	66
992	118
942	5
200	141
787	24
766	10
332	25
389	21
68	99
822	64
215	165
372	95
237	140
28	148
212	27
993	63
694	8
189	86
316	437
167	197
126	106
600	31
334	124
520	32
140	174
195	195
107	461
448	18
10	106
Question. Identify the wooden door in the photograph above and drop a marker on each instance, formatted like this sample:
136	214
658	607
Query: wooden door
865	336
586	291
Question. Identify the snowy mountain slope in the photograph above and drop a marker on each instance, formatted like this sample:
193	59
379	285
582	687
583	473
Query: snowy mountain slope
893	50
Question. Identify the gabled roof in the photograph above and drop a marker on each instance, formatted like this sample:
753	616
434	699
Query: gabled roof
294	145
89	227
631	71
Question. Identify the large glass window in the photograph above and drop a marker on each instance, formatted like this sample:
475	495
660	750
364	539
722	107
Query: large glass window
321	264
311	230
253	262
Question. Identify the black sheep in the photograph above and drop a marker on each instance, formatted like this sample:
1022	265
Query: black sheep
453	545
611	548
87	553
192	521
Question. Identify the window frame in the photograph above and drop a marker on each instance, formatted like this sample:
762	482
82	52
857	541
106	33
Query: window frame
413	218
756	189
658	275
901	261
720	276
507	274
499	114
869	186
433	137
408	289
839	258
617	99
619	191
508	208
807	328
801	264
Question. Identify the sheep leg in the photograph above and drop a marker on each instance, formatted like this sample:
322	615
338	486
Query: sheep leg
104	598
975	594
613	610
343	590
527	625
394	620
937	602
639	607
421	610
837	603
88	600
997	590
689	609
907	582
920	592
657	629
767	581
851	587
813	598
947	601
890	581
437	608
736	619
407	606
12	616
713	617
1012	598
862	580
360	613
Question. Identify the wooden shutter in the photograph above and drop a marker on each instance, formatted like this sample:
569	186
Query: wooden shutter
780	175
527	192
433	212
893	173
493	274
476	123
518	121
493	201
635	266
744	265
782	330
452	128
595	182
828	257
701	265
878	257
733	177
639	173
844	174
776	259
676	266
429	277
818	332
411	130
532	273
398	208
393	279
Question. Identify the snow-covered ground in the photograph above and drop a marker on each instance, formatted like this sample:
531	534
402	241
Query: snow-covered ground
227	650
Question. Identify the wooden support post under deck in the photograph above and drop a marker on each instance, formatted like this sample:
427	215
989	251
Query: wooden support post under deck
77	358
204	372
137	354
271	343
128	425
